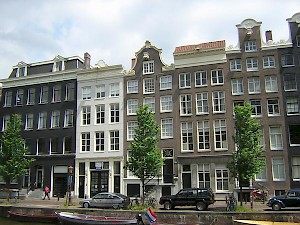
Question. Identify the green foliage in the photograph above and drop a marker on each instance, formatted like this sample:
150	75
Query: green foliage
248	160
145	160
13	162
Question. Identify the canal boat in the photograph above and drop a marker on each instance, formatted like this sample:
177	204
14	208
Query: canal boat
30	217
68	218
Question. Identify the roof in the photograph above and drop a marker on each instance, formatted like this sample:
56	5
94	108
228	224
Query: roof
201	46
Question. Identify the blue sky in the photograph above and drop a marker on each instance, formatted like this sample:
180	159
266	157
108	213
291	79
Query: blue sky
113	30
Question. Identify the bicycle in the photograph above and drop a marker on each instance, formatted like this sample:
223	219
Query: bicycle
151	201
231	203
135	201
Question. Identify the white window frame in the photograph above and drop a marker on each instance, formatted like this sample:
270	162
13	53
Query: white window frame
186	131
292	106
8	99
203	135
132	86
278	170
132	106
166	128
100	91
218	99
201	79
165	82
85	115
298	40
19	97
262	176
166	103
55	119
86	93
271	84
69	117
223	179
70	92
296	168
286	61
202	103
220	135
237	87
235	65
148	86
217	77
185	80
114	90
290	82
100	114
185	105
150	102
275	135
5	121
254	85
148	67
273	107
257	108
114	113
99	141
268	62
44	92
42	122
204	173
85	142
30	96
131	125
114	140
252	64
29	121
56	93
250	46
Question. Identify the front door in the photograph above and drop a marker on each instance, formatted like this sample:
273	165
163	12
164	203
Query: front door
39	177
81	187
99	182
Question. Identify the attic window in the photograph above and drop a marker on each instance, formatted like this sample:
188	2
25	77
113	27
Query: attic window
148	67
58	66
22	71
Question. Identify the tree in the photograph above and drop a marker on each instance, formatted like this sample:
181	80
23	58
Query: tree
13	162
145	160
248	158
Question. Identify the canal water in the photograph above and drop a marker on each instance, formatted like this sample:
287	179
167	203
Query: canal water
5	221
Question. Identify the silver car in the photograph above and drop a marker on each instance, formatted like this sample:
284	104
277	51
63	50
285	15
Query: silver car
106	200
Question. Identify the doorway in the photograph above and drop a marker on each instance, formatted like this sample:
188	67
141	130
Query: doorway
99	182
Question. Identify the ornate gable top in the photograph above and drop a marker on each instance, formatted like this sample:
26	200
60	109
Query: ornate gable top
248	24
295	18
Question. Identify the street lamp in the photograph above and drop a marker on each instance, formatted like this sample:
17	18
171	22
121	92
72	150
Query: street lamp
70	178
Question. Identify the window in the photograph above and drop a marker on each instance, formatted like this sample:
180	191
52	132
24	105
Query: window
298	40
114	140
287	60
86	93
7	99
262	176
44	95
85	142
202	103
19	97
99	139
252	64
56	93
132	105
151	103
114	113
86	115
290	82
100	91
166	103
187	136
70	92
165	82
237	86
29	121
67	145
131	125
22	71
185	104
203	136
294	134
250	46
30	96
54	145
217	77
220	135
114	90
253	85
185	80
278	169
132	86
69	118
269	62
271	84
275	138
100	114
235	65
219	102
42	124
58	66
204	175
55	117
256	104
5	122
42	147
167	128
273	107
222	179
149	86
148	67
296	168
292	106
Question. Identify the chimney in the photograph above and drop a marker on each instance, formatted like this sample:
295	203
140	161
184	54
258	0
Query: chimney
87	61
269	36
133	62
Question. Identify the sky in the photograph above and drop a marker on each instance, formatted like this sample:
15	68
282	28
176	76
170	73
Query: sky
114	30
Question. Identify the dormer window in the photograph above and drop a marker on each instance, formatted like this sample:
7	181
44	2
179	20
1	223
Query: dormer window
148	67
59	64
21	69
250	46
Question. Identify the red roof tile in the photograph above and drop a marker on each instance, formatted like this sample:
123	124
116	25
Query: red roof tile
208	45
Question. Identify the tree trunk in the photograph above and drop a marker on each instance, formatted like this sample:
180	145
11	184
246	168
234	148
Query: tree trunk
241	195
143	192
7	188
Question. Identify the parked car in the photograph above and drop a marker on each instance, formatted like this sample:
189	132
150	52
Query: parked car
106	200
201	198
289	199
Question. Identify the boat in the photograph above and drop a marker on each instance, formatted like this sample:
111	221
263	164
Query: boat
255	222
30	217
68	218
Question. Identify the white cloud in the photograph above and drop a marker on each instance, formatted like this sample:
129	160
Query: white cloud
113	30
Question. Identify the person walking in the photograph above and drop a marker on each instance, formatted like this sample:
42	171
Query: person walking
47	191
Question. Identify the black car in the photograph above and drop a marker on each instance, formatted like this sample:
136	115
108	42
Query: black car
201	198
290	199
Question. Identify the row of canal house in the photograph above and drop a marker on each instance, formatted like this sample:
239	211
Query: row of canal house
84	116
